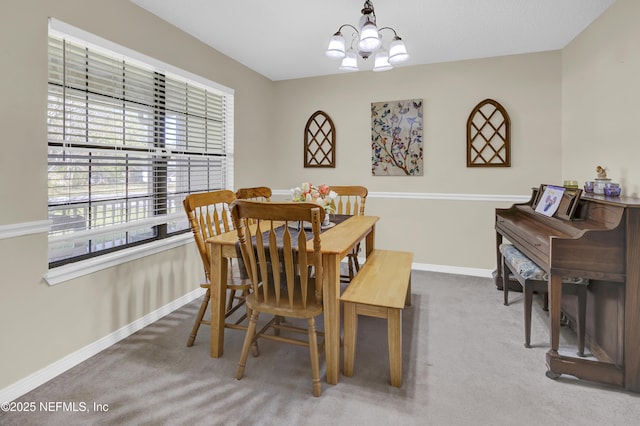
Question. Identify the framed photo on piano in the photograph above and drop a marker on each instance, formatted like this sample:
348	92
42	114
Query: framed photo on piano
550	200
557	201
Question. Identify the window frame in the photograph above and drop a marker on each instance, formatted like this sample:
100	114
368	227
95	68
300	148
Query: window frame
59	270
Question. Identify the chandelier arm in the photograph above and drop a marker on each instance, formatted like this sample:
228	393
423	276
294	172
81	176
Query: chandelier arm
348	25
389	28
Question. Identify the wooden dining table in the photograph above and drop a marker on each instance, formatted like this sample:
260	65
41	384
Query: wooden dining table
336	243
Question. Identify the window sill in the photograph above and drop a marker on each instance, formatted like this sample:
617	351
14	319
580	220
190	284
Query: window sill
74	270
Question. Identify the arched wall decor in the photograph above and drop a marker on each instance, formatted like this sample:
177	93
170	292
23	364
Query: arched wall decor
319	141
489	136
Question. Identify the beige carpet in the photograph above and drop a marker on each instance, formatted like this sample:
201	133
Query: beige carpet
464	364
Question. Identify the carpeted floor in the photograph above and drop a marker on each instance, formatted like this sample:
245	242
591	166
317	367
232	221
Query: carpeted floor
464	364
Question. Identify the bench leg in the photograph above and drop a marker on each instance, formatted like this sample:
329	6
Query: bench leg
350	333
528	301
505	281
394	336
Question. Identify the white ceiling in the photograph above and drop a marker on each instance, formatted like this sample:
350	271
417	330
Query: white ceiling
286	39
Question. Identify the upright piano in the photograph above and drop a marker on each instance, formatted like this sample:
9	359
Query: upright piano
599	239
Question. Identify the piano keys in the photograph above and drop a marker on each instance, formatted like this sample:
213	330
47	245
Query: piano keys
599	240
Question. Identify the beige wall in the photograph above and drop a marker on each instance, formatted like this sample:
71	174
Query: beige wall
601	92
439	232
40	324
550	97
528	86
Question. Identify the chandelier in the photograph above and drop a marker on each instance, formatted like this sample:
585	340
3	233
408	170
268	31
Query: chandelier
369	41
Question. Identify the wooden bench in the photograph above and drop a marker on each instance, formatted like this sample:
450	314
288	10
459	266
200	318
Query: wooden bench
533	278
380	289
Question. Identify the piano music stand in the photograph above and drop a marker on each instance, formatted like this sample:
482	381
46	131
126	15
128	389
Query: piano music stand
568	204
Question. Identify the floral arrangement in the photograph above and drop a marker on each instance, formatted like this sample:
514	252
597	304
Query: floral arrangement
322	195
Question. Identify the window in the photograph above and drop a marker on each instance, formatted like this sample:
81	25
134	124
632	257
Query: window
127	140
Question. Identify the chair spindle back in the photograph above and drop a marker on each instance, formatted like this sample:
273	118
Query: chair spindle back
275	254
351	199
209	215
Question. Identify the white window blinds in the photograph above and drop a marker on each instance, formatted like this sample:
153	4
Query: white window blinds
127	141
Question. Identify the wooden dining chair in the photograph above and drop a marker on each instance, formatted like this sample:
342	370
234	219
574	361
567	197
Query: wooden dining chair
209	215
258	193
287	281
350	201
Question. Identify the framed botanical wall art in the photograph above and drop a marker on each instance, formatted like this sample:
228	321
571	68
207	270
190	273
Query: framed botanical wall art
396	138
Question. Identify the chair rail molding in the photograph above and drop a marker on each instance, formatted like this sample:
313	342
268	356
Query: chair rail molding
24	228
436	196
73	270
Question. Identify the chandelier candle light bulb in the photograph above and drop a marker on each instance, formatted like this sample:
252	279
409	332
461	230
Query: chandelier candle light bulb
350	62
397	51
382	62
336	47
369	38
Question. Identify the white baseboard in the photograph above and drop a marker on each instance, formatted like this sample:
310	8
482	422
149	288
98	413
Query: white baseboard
446	269
458	270
47	373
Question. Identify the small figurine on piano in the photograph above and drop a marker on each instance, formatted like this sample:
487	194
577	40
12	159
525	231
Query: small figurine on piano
602	173
604	186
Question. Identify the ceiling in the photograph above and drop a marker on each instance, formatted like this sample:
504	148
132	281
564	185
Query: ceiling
286	39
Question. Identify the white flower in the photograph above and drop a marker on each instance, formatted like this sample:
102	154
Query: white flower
296	194
321	195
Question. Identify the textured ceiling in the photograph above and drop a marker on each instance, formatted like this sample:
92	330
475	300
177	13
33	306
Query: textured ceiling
286	39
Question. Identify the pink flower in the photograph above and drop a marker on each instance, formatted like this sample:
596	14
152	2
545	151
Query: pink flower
324	189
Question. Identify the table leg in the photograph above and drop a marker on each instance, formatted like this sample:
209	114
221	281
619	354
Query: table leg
331	301
371	237
218	299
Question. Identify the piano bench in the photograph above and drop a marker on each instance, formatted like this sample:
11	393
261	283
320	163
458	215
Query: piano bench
533	278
